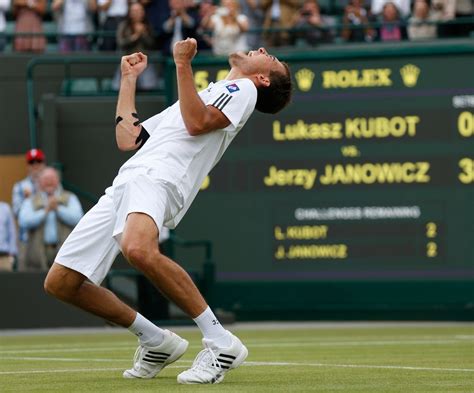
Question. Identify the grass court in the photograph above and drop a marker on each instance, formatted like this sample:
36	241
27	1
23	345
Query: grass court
365	358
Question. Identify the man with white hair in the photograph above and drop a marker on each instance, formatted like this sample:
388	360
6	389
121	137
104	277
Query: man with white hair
49	216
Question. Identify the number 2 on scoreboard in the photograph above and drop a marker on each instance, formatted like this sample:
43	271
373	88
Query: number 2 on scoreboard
431	250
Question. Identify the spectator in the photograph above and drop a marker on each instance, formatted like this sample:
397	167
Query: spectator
179	25
403	6
49	215
28	16
309	23
228	29
157	12
279	14
74	22
356	23
421	24
22	190
253	10
135	34
4	6
8	248
391	28
204	35
114	12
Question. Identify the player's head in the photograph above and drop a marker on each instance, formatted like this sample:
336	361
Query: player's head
271	77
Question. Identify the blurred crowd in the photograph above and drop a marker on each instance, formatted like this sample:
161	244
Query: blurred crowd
42	215
223	26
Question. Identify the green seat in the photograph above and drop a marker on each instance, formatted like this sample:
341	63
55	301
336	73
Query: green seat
80	86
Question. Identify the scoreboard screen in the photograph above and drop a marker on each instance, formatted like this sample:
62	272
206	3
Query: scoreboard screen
368	174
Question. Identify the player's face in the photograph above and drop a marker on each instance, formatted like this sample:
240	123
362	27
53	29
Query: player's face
256	62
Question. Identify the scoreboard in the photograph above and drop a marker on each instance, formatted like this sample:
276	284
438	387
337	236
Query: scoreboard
368	174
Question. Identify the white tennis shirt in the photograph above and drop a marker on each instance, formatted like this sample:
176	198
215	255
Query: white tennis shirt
183	160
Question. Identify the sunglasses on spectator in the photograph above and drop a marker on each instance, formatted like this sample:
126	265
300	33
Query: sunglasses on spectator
35	162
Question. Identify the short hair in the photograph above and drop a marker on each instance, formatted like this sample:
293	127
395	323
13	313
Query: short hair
273	98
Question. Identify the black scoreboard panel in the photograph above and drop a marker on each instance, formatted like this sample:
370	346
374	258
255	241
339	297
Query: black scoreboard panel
368	174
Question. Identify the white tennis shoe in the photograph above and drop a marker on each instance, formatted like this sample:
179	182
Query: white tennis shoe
212	363
149	361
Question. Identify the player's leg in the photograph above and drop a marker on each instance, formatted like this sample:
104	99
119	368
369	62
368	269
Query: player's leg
223	351
82	263
139	245
72	287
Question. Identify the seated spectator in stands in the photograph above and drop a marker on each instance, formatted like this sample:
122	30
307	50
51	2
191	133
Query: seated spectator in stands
356	23
279	14
74	22
135	34
421	25
179	25
113	13
403	6
228	29
29	19
8	247
391	29
35	159
253	10
310	24
203	33
4	7
49	215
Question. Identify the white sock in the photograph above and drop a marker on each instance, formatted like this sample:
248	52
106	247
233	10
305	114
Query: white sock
148	333
212	329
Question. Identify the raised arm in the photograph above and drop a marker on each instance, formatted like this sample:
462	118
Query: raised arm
198	117
128	129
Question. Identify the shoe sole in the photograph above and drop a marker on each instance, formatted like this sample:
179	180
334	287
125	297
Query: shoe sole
178	352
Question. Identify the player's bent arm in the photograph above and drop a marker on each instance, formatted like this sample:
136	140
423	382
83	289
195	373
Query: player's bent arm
198	118
127	128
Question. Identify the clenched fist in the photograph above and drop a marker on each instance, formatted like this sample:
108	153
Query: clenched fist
133	65
184	51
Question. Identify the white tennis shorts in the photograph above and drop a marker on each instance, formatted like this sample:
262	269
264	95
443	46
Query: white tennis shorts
93	245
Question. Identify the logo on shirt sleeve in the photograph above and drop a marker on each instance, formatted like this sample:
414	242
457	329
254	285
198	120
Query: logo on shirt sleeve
232	88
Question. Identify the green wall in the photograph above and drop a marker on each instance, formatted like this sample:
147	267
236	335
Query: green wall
78	133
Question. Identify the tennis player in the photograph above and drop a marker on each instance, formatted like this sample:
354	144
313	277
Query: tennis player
176	149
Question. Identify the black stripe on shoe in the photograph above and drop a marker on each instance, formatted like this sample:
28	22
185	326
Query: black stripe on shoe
153	360
225	361
160	353
220	366
223	355
157	356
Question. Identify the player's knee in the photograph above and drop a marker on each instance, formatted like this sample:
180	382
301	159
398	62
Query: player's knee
58	286
135	253
52	285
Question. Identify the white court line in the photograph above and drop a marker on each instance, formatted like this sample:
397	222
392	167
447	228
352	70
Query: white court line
357	366
35	358
258	364
87	349
265	344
